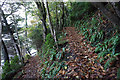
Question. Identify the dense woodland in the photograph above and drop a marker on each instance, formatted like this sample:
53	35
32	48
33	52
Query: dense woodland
75	40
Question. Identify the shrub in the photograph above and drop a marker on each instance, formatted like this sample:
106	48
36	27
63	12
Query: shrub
12	66
6	68
51	59
27	56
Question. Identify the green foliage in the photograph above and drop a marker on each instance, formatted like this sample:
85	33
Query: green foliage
52	71
27	56
12	66
104	39
107	50
107	64
78	10
118	74
59	55
6	68
35	34
49	41
105	47
51	59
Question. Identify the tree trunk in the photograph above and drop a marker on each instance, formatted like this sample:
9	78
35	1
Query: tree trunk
26	42
62	17
49	19
12	37
53	32
26	45
42	11
16	45
57	21
0	34
6	56
113	18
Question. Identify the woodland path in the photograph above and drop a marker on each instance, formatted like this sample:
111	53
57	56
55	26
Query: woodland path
82	63
30	70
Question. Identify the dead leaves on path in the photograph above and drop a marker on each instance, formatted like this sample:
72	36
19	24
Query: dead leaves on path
30	70
83	62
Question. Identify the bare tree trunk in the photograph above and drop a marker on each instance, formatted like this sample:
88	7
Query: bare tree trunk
26	42
62	17
60	23
12	37
49	19
0	33
113	18
53	32
18	41
6	56
17	35
57	21
26	30
16	45
42	11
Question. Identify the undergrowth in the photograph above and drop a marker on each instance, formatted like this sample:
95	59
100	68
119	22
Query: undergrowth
104	37
51	59
8	68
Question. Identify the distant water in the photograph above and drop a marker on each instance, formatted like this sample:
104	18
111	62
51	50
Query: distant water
34	52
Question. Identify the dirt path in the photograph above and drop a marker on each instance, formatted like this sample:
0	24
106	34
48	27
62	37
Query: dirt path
31	69
83	62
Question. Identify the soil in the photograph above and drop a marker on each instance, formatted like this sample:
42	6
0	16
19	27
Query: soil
82	61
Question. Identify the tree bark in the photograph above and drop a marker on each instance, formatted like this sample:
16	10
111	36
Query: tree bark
26	43
42	11
53	32
6	56
12	37
0	34
49	19
57	21
62	17
113	18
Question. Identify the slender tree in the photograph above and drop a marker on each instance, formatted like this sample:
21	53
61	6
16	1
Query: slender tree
26	24
42	11
57	21
62	17
62	14
0	33
12	36
53	32
6	56
26	45
49	19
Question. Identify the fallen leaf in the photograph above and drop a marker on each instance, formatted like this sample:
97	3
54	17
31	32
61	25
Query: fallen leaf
77	77
85	56
65	67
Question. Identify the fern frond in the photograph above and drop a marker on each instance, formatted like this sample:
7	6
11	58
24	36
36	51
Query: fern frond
107	64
